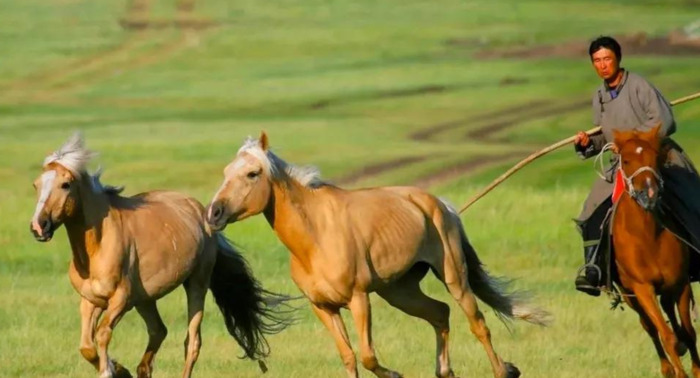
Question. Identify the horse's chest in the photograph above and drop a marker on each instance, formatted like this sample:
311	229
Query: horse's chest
97	291
322	290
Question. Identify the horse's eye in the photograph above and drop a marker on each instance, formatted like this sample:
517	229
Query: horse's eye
253	174
65	185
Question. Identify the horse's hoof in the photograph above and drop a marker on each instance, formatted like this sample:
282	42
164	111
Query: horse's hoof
143	371
120	371
681	349
511	370
449	374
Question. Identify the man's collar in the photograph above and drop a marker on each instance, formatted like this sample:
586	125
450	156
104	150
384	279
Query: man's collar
619	85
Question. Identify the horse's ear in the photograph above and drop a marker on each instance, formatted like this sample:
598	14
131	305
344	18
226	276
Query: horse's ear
619	137
264	144
652	135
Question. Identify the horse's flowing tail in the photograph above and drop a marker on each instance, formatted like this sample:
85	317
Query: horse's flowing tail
249	311
494	291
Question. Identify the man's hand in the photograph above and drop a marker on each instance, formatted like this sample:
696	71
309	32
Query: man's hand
582	139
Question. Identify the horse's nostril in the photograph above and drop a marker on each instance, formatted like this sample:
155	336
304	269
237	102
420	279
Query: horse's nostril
217	212
44	224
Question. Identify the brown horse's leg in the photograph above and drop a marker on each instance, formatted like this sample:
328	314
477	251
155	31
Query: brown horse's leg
362	315
334	323
406	295
115	311
648	303
668	304
688	330
88	318
156	334
666	368
196	295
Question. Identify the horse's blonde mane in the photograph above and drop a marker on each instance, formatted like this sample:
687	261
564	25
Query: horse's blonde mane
308	176
74	157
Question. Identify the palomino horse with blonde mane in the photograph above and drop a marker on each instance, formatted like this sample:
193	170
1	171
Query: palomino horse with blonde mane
650	259
346	244
131	251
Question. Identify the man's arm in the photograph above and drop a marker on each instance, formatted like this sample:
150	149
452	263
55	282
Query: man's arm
596	141
657	109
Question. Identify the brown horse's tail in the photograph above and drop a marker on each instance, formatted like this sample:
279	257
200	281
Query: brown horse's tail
494	290
250	312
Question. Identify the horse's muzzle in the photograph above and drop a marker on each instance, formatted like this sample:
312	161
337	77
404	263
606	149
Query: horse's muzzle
45	230
644	200
215	216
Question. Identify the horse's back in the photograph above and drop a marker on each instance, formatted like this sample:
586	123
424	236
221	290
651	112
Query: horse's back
399	225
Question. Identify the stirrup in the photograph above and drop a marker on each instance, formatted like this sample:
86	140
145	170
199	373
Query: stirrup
584	286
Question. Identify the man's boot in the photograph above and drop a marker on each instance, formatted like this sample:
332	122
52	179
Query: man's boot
590	281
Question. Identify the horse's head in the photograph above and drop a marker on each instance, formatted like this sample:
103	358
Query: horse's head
247	185
57	188
639	152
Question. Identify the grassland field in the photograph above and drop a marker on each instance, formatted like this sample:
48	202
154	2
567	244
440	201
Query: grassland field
373	93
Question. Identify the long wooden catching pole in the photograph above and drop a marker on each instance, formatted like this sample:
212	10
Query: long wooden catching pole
545	151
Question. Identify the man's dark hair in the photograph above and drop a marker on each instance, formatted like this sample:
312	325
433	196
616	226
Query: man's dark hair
608	43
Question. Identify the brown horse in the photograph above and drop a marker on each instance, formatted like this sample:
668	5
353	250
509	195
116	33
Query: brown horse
129	252
650	259
347	244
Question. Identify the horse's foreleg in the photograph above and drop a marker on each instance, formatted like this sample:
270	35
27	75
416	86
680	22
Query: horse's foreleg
89	314
684	304
195	312
334	323
156	334
362	315
114	312
668	304
666	368
647	301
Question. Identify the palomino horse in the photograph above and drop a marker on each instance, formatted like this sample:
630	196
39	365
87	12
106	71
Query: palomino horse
650	259
347	244
130	251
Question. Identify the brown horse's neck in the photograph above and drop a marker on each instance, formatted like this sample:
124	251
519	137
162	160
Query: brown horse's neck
85	226
288	214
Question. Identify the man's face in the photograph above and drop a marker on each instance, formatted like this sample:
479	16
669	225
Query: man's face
605	63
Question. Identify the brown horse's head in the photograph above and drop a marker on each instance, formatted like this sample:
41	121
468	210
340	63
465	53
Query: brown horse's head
247	185
57	188
639	152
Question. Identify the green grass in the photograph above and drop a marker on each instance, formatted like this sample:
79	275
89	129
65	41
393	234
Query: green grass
336	84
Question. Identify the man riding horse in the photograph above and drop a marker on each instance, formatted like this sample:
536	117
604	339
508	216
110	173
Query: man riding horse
626	101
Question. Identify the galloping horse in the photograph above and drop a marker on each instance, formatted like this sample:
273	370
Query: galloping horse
347	244
130	251
650	259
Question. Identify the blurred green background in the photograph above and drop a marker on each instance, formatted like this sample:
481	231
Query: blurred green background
444	95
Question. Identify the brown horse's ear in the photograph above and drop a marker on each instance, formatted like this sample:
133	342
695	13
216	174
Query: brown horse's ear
264	144
619	138
653	134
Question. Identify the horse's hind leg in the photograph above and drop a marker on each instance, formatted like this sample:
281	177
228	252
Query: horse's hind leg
466	299
688	332
362	315
647	301
196	293
156	334
406	295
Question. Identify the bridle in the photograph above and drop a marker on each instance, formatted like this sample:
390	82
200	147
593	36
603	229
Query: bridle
629	185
